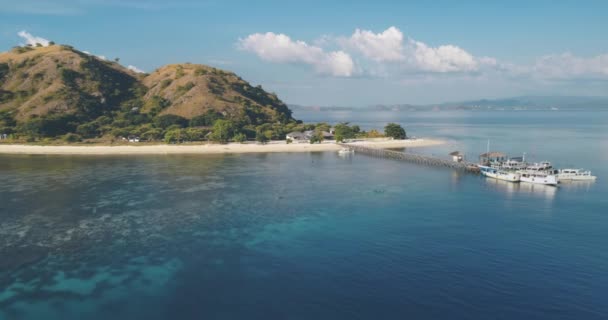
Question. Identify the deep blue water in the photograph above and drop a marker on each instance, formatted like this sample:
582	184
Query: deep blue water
312	235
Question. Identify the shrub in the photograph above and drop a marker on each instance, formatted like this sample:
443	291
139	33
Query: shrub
167	120
240	138
207	119
152	134
88	130
261	137
223	130
71	137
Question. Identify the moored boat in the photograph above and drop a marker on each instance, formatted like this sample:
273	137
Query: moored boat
538	177
540	166
499	174
575	175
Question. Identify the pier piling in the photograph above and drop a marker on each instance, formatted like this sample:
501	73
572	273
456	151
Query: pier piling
413	158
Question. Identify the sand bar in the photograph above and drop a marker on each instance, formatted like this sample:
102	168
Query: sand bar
275	146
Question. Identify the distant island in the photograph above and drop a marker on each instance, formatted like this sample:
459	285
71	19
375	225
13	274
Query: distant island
540	103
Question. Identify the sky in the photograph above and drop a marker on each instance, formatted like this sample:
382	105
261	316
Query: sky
342	53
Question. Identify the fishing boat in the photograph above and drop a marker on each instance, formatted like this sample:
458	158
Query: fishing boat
499	174
538	177
575	175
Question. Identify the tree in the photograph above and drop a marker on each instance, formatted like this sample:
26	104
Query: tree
206	119
344	131
194	134
71	137
394	131
168	120
152	134
173	136
261	137
88	130
239	137
317	137
374	134
223	130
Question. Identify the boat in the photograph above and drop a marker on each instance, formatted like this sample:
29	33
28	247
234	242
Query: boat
575	175
346	151
499	174
538	177
540	166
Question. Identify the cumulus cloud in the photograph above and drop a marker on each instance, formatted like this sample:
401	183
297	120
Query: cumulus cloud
31	39
282	49
135	69
386	46
446	58
390	52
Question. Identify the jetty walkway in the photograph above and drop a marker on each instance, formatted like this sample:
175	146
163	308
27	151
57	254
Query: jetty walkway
413	158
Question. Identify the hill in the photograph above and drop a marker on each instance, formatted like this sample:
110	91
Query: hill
48	92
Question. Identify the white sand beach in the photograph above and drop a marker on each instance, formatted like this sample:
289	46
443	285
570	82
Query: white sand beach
275	146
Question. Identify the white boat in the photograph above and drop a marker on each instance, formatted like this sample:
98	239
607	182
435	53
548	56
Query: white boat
540	166
575	175
499	174
538	177
346	151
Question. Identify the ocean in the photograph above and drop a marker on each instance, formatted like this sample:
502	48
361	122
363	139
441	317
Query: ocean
313	235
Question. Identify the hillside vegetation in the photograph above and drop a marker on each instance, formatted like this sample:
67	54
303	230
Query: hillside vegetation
59	92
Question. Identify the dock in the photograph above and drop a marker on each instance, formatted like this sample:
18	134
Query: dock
412	158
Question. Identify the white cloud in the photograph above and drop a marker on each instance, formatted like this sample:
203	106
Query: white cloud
31	39
568	66
390	53
386	46
280	48
135	69
445	58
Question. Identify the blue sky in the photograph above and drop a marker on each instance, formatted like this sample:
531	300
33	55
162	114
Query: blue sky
344	52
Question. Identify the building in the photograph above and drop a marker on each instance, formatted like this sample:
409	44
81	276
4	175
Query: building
489	158
297	136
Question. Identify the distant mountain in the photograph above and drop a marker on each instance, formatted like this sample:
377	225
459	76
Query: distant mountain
531	102
54	90
515	103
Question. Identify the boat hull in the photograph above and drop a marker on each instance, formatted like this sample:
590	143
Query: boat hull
549	180
499	175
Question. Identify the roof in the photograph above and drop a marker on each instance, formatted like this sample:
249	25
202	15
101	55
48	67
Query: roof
456	153
492	154
296	134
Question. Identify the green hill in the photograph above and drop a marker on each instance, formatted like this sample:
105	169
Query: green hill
51	92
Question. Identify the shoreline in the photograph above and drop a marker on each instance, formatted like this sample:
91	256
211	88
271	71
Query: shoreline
160	149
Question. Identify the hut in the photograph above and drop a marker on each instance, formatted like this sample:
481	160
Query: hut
457	156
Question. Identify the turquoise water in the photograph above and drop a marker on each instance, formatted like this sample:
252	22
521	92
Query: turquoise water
312	235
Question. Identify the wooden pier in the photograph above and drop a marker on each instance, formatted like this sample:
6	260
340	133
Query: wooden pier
413	158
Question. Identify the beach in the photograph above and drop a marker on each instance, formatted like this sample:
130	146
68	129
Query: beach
275	146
